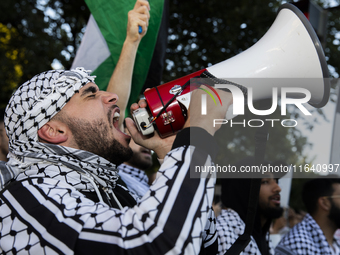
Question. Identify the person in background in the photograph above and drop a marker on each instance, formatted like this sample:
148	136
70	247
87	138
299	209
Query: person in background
295	217
132	172
3	137
315	233
279	228
337	234
121	78
217	205
235	198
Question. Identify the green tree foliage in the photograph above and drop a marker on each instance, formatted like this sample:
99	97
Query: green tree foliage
10	59
33	35
203	33
68	20
332	46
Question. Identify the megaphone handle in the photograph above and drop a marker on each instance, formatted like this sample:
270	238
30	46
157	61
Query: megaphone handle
141	118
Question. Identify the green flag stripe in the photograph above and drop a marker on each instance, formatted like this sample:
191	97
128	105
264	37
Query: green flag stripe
111	17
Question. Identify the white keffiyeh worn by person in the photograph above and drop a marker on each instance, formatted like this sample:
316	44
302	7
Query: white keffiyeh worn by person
306	238
45	205
229	227
32	106
135	179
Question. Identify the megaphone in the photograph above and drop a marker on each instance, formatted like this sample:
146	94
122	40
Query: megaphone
289	49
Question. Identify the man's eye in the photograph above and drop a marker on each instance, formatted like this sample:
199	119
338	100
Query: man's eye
93	95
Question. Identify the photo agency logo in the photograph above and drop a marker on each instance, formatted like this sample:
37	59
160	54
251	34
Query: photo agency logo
204	98
239	103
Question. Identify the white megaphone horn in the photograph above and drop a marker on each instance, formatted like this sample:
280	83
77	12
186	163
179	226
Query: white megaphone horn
290	52
289	49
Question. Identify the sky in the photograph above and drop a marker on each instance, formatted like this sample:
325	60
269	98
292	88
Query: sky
321	136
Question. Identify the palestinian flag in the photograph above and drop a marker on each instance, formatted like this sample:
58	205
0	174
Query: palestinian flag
103	40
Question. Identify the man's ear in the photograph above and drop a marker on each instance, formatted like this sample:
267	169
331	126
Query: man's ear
324	203
53	132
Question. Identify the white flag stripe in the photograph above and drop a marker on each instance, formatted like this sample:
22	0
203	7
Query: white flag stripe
93	49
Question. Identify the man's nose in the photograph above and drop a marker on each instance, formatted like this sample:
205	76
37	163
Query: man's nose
276	187
110	98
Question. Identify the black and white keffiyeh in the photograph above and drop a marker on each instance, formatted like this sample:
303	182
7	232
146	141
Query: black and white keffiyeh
32	106
306	238
67	163
6	174
135	179
36	101
229	227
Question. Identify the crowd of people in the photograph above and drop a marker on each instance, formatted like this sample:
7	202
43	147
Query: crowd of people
73	177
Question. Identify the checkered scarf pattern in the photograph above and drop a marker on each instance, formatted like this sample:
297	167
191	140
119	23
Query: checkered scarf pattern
135	179
36	101
229	227
65	163
6	174
32	106
305	238
136	173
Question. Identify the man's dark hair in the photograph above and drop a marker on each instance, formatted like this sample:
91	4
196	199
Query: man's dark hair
2	114
316	188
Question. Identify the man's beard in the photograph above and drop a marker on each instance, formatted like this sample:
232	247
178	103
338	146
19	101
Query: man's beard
334	214
270	212
92	137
